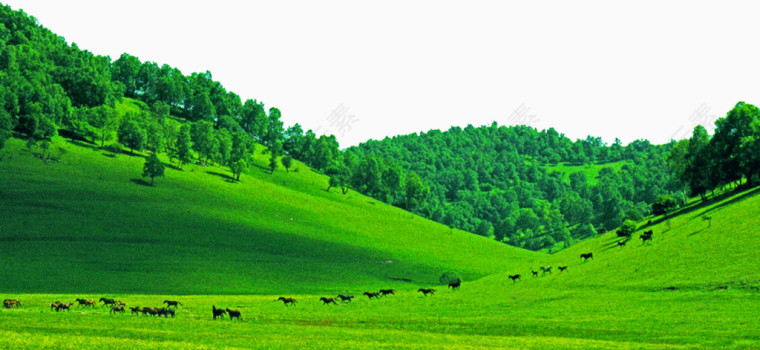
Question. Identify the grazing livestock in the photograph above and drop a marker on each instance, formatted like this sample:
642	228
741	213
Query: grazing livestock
535	273
562	268
136	310
545	269
166	312
455	285
384	292
426	291
287	301
63	306
170	303
514	277
326	301
622	243
218	312
121	303
587	256
54	305
371	295
11	303
86	303
233	314
117	308
345	298
646	236
107	301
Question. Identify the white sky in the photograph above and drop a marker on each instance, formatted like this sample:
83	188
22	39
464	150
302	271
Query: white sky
636	70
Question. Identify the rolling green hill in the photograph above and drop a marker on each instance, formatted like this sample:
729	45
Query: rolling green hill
90	224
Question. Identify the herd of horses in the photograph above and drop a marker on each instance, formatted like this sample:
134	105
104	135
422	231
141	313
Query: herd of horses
117	306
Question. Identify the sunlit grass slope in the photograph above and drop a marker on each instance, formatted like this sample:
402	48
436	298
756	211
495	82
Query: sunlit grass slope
90	224
591	170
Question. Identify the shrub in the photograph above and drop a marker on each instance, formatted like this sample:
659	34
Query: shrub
449	277
627	229
663	205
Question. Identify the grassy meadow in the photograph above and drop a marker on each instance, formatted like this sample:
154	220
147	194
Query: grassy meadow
89	227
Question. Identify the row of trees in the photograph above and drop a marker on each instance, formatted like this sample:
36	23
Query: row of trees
730	156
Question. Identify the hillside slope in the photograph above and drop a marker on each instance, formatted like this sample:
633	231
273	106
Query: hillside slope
90	224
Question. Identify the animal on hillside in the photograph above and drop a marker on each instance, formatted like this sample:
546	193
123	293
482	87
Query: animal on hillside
426	291
562	268
136	310
54	305
170	303
622	243
117	308
233	314
218	312
514	277
345	298
166	312
11	303
119	302
86	303
150	311
384	292
455	285
646	236
326	301
371	295
545	269
107	301
587	256
535	273
287	301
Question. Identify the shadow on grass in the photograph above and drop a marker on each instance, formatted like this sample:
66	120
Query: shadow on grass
141	182
109	155
746	195
172	166
79	143
695	232
223	176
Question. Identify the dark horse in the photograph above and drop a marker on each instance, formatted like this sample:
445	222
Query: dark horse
622	243
587	256
326	301
371	295
426	291
384	292
107	301
514	277
562	268
217	312
345	298
646	236
287	301
233	314
535	273
170	303
455	285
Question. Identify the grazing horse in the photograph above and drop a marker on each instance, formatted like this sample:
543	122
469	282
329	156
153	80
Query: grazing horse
136	310
514	277
86	303
287	301
535	273
117	308
54	305
63	306
562	268
646	236
622	243
371	295
233	314
150	310
166	312
11	303
384	292
545	269
218	312
427	291
345	298
455	285
326	301
587	256
170	303
107	301
121	303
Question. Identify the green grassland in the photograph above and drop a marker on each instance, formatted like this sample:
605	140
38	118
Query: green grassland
90	224
89	227
591	170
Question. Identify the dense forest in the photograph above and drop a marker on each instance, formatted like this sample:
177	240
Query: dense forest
497	181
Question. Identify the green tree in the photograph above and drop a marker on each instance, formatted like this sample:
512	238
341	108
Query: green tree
237	167
287	162
132	135
182	148
153	167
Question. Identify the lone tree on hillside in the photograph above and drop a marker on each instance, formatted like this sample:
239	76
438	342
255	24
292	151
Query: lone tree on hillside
153	168
238	167
287	162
